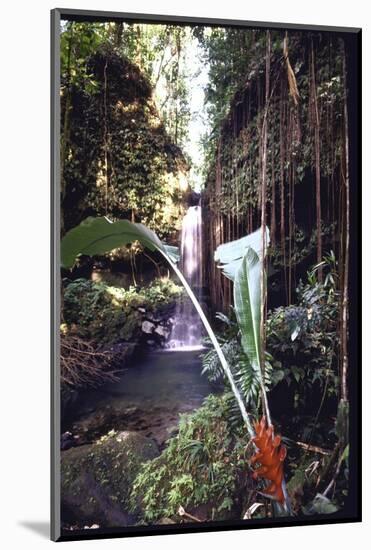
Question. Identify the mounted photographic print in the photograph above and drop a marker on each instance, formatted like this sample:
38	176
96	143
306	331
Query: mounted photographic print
205	207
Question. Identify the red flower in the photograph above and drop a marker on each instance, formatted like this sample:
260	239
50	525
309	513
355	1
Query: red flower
270	455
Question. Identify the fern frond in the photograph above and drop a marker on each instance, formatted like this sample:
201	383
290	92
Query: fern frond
247	376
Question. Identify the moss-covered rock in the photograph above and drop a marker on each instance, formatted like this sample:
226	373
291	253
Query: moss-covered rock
96	479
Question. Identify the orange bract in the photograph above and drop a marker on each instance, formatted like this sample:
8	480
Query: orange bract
270	455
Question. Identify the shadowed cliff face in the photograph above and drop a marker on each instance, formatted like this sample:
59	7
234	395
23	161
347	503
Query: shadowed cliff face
119	159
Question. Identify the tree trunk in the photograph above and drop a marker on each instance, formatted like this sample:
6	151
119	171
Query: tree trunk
346	228
317	165
263	201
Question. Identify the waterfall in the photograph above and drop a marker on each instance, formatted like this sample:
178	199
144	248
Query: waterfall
187	327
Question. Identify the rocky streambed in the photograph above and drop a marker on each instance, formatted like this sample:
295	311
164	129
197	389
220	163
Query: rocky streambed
113	429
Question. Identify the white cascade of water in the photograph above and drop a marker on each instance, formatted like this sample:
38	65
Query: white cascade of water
187	328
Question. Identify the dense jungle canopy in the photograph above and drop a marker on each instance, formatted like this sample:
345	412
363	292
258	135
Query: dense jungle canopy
127	116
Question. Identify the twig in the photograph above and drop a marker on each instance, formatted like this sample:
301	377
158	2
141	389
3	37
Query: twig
185	514
337	472
313	448
82	365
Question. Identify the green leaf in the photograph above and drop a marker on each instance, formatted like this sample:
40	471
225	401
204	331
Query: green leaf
246	292
96	236
241	261
295	333
320	505
297	372
277	376
172	252
230	255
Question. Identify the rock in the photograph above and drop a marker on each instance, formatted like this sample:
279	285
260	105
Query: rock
162	331
92	426
96	479
69	399
193	198
156	422
148	327
69	440
156	327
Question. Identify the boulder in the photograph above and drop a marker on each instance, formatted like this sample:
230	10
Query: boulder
163	331
96	479
148	327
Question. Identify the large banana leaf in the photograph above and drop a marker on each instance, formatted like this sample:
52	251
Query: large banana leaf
96	236
242	262
230	255
99	235
247	303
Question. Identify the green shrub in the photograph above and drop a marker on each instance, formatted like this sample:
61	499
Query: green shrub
302	346
108	314
303	338
204	465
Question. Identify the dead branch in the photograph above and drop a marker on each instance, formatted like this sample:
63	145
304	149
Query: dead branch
293	87
313	448
82	365
185	514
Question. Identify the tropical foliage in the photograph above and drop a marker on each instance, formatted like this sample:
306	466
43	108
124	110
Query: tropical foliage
117	157
274	302
108	314
203	469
